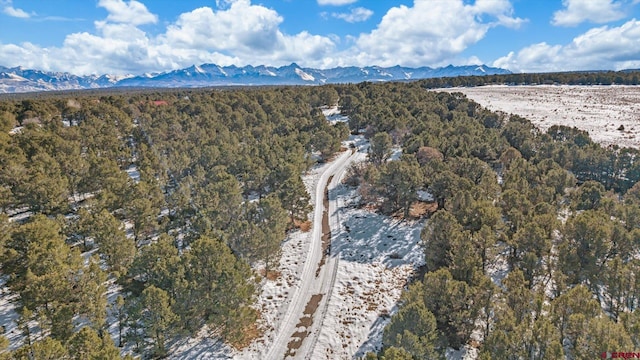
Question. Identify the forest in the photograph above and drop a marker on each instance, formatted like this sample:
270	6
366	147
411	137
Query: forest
180	199
532	252
217	186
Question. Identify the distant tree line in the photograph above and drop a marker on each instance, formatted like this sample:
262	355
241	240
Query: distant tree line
624	77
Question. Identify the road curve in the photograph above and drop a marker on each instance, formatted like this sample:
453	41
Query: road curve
308	285
330	270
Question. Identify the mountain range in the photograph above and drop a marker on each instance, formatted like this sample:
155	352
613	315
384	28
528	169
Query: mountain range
19	79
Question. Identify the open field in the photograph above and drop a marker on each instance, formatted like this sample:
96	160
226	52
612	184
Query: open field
600	110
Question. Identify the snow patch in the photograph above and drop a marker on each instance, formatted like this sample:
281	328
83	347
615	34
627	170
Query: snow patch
396	153
16	130
377	257
426	196
304	76
9	315
133	173
599	110
333	114
198	69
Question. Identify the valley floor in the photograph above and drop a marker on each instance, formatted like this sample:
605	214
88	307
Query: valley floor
609	113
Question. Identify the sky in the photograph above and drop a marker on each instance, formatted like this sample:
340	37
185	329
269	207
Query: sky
138	36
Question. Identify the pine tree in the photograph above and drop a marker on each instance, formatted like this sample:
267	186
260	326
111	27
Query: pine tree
159	264
295	199
118	309
117	250
219	286
86	344
157	317
414	330
451	302
45	273
438	236
380	148
46	349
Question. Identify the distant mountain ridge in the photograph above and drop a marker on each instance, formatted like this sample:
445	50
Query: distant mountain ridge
19	79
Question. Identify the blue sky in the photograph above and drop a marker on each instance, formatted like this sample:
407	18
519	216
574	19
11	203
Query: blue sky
137	36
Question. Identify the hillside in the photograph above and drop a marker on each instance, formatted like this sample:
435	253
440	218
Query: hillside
240	223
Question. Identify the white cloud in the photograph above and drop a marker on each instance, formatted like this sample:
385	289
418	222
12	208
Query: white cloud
473	60
132	12
336	2
596	11
430	32
8	9
243	27
356	15
239	34
19	13
600	48
247	31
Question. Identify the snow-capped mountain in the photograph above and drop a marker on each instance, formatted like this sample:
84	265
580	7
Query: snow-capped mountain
19	79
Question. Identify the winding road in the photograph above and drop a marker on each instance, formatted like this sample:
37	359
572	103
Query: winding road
330	270
310	284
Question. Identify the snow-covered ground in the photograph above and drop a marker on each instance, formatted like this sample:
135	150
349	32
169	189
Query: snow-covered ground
377	255
600	110
133	173
275	301
333	114
314	279
9	315
276	298
372	257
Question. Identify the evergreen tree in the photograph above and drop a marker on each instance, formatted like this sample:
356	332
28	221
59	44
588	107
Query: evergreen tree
45	272
380	148
398	183
45	188
438	236
219	288
295	199
46	349
586	247
413	329
451	302
157	318
117	250
159	264
86	344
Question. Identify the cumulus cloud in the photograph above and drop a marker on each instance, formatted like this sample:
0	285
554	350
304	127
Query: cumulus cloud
431	32
336	2
19	13
8	9
240	34
597	11
132	12
247	31
356	15
243	27
597	49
